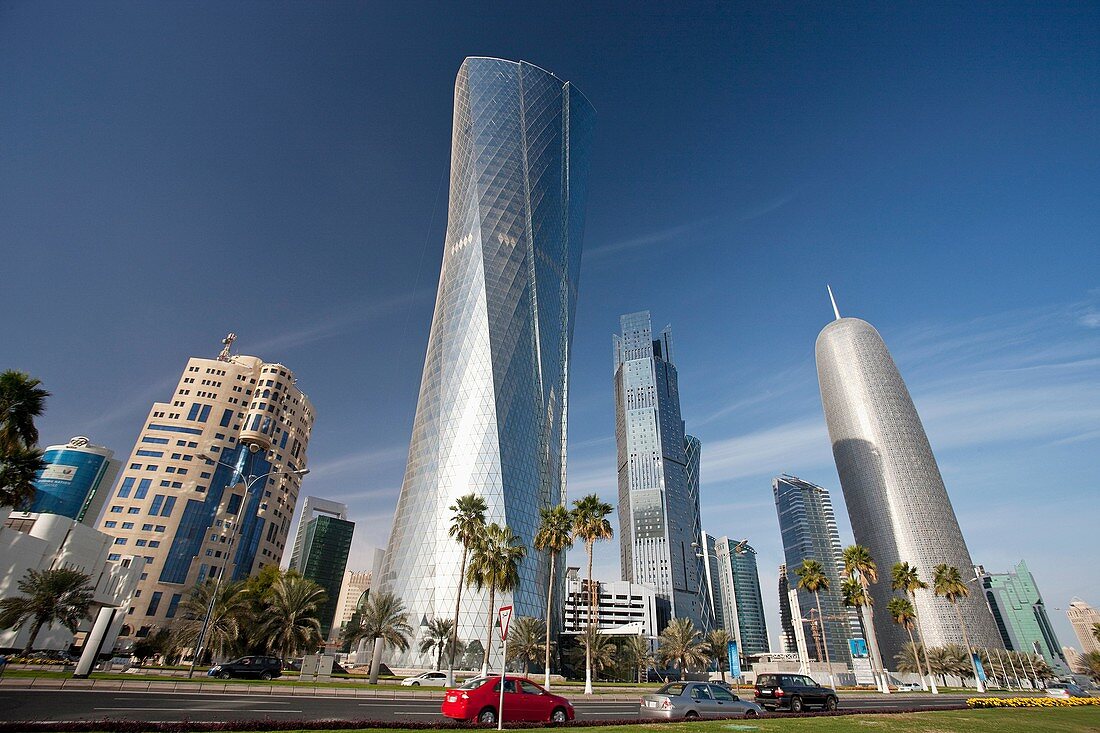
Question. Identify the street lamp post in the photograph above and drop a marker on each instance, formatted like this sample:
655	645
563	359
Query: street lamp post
248	481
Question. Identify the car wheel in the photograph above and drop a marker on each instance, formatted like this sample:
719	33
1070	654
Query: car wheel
223	675
750	713
488	716
265	676
796	704
558	716
691	715
415	684
830	703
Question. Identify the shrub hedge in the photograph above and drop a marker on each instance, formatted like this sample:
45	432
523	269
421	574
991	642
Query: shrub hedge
1031	702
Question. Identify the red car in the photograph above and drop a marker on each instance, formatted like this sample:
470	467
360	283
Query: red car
477	700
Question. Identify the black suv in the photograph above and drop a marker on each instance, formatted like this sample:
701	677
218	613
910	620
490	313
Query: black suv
262	668
794	692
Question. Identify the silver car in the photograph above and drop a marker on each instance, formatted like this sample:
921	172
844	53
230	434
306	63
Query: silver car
696	700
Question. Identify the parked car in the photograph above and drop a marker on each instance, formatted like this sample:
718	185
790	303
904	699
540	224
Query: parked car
1066	689
696	700
794	692
908	687
478	700
426	679
251	667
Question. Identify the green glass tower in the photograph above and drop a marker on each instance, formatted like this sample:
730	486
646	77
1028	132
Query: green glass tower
321	550
1021	615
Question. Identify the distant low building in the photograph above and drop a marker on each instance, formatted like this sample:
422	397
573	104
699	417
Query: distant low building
32	541
621	607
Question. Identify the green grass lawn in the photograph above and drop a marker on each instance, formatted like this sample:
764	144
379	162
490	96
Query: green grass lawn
1068	720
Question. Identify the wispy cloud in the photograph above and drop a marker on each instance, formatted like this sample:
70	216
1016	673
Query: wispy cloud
358	464
336	322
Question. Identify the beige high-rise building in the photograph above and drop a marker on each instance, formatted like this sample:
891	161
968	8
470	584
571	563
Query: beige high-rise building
1082	616
211	483
351	592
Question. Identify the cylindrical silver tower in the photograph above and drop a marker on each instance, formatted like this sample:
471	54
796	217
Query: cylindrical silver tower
895	495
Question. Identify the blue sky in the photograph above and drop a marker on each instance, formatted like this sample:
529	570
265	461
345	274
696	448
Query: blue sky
173	171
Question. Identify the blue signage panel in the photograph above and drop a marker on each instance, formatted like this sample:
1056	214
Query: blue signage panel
858	648
734	658
978	666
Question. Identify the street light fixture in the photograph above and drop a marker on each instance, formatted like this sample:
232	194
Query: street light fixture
248	481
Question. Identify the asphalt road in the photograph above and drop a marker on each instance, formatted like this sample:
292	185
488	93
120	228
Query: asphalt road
56	705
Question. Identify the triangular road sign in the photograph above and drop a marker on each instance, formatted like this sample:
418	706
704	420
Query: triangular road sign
505	617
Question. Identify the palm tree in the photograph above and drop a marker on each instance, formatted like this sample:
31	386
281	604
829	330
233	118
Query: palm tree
554	537
636	650
947	582
594	648
906	578
680	642
385	621
438	635
21	401
61	596
1090	662
812	578
903	613
859	564
495	565
717	642
467	525
1095	630
908	659
590	525
19	467
290	621
526	641
229	608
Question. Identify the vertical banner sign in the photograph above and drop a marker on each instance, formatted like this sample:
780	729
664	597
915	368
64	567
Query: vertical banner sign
504	616
734	659
981	670
861	662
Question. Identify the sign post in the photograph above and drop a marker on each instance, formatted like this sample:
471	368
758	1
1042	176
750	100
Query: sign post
504	616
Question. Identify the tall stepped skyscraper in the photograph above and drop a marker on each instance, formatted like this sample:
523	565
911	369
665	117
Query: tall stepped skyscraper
492	412
191	500
320	552
659	532
896	498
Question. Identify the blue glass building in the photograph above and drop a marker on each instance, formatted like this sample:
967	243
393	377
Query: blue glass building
491	416
75	481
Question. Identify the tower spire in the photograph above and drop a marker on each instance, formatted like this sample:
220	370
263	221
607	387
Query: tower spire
836	311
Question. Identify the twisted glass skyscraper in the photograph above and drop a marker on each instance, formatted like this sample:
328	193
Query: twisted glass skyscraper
491	415
892	486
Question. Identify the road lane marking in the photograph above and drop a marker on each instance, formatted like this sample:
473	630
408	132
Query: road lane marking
204	710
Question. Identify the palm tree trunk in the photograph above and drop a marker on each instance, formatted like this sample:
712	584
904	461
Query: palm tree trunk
376	660
549	608
872	638
969	652
458	606
489	635
824	641
591	622
38	624
924	645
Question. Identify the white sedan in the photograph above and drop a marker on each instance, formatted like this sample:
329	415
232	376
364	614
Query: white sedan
426	679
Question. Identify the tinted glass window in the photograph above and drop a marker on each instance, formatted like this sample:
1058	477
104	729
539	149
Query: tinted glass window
700	692
675	689
473	684
509	686
721	693
766	680
529	688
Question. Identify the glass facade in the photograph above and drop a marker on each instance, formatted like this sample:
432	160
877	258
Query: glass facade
492	410
787	642
75	481
325	548
896	498
808	528
1021	615
659	521
738	595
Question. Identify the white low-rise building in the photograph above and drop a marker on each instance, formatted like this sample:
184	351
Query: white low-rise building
49	541
621	607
